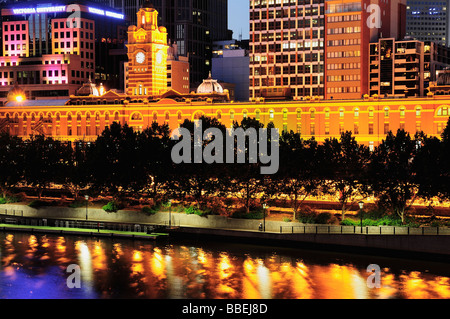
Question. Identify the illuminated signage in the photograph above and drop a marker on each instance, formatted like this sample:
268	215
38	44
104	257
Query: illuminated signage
106	13
54	9
40	10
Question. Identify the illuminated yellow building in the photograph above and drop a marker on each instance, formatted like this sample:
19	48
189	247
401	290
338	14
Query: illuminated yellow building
147	55
85	117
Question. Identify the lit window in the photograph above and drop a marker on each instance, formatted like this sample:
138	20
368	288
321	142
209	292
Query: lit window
418	111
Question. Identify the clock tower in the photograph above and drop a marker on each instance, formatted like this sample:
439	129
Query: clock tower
147	55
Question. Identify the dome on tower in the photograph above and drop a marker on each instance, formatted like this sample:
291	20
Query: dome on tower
16	93
88	89
210	86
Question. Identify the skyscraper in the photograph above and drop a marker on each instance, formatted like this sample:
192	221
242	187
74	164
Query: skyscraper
193	25
316	47
287	46
428	21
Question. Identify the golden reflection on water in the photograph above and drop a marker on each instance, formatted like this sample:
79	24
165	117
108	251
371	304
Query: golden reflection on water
146	270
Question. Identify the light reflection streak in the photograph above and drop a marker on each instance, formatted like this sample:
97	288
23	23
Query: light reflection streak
153	271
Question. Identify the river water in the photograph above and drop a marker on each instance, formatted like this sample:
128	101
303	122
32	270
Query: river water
35	266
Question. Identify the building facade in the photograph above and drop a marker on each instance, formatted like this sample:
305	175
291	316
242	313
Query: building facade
37	28
287	46
404	68
428	21
193	25
318	48
369	120
147	55
231	64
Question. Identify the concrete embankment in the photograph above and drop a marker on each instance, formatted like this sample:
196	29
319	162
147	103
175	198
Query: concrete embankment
402	244
428	247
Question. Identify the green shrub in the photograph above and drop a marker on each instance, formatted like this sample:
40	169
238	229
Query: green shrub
253	214
323	218
287	220
111	207
37	204
349	222
77	204
195	210
149	210
2	200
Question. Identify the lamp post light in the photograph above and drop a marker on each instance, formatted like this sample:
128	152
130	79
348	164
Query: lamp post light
361	206
170	213
86	197
264	216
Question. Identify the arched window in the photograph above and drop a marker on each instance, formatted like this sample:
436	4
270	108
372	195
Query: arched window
219	115
231	115
258	115
356	112
179	115
136	116
155	117
167	116
88	117
244	114
341	113
386	112
58	117
402	111
418	111
97	116
197	115
371	112
271	114
285	114
299	113
327	113
116	116
106	116
443	111
312	113
79	117
69	117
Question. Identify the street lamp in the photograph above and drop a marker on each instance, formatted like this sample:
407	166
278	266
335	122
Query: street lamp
361	206
170	213
86	197
264	216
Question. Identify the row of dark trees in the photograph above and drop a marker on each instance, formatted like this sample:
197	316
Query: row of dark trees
123	162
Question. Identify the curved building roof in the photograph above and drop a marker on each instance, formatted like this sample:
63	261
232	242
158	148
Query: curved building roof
209	86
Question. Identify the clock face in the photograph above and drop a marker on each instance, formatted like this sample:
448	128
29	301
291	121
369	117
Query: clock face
140	57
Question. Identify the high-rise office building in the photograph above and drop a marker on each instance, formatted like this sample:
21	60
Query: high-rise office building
405	68
428	21
350	27
45	29
192	25
287	46
316	47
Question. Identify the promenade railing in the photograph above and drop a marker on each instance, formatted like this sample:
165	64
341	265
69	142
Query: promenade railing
365	230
